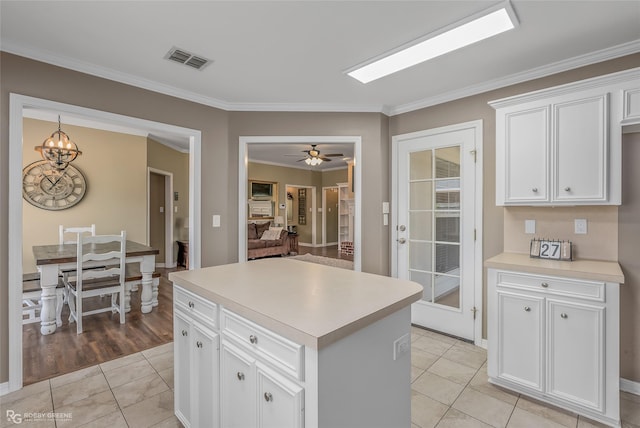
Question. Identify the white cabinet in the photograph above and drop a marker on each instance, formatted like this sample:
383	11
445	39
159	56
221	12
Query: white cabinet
562	146
254	389
547	339
195	361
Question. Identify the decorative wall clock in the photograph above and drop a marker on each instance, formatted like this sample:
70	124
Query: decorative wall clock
46	187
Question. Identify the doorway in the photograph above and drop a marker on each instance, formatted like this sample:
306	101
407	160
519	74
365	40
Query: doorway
436	209
160	215
243	150
18	105
330	215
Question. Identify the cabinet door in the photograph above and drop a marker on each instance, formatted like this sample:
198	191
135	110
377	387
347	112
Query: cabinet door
182	366
580	150
237	381
280	401
576	353
520	339
204	377
522	156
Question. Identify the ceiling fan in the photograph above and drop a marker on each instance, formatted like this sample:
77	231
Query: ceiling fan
314	154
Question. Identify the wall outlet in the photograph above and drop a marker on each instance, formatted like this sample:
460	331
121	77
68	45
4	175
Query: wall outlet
580	226
401	346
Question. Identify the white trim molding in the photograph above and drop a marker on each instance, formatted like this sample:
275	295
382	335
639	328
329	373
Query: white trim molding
630	386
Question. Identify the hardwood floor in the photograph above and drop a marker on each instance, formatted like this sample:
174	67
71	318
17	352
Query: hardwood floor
103	339
330	251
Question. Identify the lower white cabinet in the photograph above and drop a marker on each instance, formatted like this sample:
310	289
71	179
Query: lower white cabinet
252	394
196	371
556	339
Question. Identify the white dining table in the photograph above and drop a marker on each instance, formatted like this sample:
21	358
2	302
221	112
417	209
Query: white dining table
51	259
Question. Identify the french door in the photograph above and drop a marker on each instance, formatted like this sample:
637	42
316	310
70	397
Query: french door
435	236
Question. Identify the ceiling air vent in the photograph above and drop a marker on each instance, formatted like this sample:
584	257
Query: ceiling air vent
187	58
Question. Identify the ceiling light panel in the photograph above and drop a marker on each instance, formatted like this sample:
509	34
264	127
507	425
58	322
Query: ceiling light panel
463	33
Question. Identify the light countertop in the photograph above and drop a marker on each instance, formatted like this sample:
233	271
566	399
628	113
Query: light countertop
308	303
595	270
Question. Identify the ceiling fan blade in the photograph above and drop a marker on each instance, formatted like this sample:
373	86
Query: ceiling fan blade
325	159
296	155
300	160
333	155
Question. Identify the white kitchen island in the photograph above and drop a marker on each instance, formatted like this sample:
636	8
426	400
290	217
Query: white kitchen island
285	343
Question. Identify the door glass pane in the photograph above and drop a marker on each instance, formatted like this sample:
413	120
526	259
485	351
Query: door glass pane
420	165
448	162
424	279
448	226
420	255
420	225
448	259
447	291
421	195
448	194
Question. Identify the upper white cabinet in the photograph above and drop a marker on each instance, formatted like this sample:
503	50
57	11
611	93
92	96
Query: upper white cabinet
562	146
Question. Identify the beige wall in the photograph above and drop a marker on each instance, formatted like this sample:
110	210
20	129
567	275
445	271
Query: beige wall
629	258
114	200
220	133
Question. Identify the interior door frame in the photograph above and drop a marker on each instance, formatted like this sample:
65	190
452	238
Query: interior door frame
324	216
396	142
243	160
18	103
168	218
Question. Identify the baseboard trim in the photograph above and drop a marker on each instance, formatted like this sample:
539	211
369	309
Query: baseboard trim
482	343
4	388
630	386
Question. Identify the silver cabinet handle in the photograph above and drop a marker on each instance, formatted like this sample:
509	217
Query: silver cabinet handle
402	240
534	190
527	309
199	344
184	332
544	285
191	305
268	396
253	339
564	316
567	189
240	376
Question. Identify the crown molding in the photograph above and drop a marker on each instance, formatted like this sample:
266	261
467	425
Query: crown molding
535	73
110	74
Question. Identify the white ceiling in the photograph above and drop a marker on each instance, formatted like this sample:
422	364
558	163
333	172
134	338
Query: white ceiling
291	55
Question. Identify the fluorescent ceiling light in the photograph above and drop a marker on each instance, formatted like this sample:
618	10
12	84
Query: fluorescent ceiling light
464	33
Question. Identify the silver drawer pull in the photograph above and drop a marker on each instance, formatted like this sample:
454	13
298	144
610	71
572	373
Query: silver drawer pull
567	189
191	305
240	376
563	315
527	309
253	339
199	344
544	285
534	190
268	396
184	332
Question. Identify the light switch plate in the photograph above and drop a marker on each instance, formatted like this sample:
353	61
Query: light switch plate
216	220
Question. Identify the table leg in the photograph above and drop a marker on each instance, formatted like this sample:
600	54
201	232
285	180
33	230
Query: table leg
146	296
48	283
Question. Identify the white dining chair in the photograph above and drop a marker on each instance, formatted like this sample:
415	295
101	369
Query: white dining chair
86	281
63	233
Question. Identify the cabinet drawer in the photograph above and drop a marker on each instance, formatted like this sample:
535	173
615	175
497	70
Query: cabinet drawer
279	351
590	290
196	306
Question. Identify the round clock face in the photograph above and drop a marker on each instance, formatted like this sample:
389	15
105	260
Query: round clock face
46	187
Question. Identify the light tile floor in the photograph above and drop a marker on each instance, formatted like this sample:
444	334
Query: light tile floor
449	389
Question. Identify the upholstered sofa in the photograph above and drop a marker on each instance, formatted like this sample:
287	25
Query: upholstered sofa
260	244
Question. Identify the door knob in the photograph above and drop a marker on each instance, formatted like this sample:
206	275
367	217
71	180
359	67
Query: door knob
402	228
402	240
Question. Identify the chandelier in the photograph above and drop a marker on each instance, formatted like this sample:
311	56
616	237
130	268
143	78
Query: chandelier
313	161
58	149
